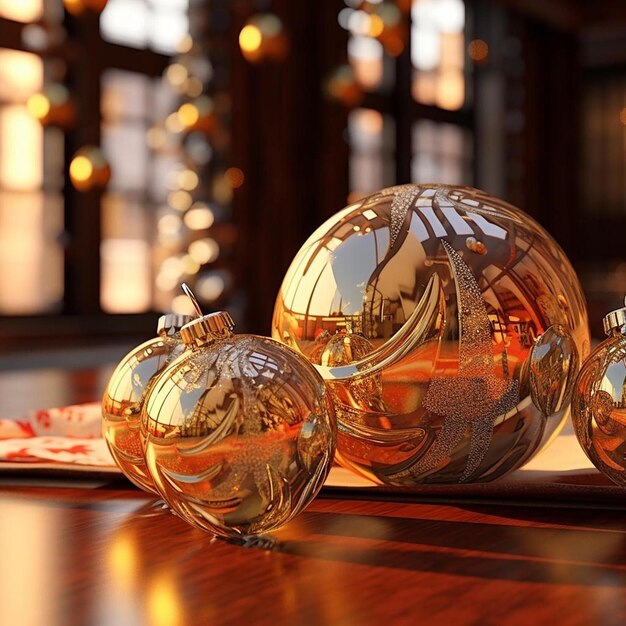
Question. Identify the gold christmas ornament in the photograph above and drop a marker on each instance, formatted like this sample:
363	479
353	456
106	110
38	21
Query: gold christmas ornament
475	321
125	394
599	403
239	431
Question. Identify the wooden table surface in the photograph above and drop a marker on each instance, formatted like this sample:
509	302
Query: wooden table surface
104	553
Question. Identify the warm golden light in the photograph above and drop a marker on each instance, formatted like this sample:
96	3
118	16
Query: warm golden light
376	26
188	114
28	538
182	306
622	116
172	267
188	180
204	250
366	58
125	276
222	191
344	87
451	90
176	74
179	200
122	559
81	169
185	44
198	115
250	38
478	50
76	7
190	264
424	87
52	105
210	287
169	224
32	280
21	149
21	75
263	38
192	87
234	177
452	54
173	123
370	121
39	106
164	282
21	10
199	217
156	138
89	169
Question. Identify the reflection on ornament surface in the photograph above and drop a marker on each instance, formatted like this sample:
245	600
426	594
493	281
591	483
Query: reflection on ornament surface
123	400
240	435
599	404
475	319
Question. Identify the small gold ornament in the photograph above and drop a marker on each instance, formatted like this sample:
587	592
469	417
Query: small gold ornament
475	320
599	403
239	431
125	394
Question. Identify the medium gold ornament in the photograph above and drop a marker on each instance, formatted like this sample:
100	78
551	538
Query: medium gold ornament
239	431
476	322
599	403
125	393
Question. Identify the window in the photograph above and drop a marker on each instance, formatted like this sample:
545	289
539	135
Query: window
441	152
163	217
371	164
604	137
437	52
156	24
31	208
132	104
415	119
21	10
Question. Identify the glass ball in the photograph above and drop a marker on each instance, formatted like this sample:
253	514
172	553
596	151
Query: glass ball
239	434
476	322
123	400
599	408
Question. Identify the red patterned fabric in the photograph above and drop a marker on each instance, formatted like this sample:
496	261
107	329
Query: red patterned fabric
69	435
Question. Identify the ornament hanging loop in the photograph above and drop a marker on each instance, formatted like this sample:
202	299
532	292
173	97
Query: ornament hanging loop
193	299
615	321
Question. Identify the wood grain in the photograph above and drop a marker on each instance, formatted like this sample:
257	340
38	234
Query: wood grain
106	553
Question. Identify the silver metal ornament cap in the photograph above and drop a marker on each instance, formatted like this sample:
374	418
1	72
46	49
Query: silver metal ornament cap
207	328
171	323
615	320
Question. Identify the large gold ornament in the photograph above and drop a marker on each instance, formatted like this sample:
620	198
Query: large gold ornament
599	403
126	391
475	322
239	430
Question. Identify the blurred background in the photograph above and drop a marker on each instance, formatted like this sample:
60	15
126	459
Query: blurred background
148	142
